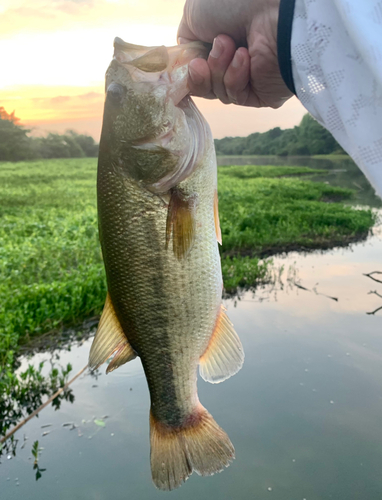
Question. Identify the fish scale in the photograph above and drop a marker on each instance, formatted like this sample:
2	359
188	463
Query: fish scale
154	303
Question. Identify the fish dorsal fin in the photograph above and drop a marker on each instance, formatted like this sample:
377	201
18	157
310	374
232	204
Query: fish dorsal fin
181	223
216	218
108	340
153	61
224	355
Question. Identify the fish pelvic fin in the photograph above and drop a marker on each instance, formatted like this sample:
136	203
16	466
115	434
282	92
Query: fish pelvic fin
200	445
216	218
181	223
108	340
224	355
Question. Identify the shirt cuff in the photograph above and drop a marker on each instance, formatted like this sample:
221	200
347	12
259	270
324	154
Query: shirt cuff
284	37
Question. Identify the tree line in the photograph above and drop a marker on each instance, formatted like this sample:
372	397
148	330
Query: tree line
17	145
308	138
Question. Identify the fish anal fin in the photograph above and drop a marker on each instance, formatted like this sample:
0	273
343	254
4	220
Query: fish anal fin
110	339
199	445
154	60
216	218
181	223
124	354
224	355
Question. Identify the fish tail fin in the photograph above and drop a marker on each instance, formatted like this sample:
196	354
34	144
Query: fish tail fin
199	445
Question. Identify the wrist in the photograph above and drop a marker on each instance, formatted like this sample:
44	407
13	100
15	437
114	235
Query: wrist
264	24
284	36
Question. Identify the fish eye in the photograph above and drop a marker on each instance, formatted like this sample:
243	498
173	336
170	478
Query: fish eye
116	92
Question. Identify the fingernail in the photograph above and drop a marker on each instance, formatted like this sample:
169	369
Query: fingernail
217	49
196	77
238	60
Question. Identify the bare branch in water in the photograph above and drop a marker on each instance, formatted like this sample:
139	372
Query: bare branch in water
375	293
315	291
374	312
369	275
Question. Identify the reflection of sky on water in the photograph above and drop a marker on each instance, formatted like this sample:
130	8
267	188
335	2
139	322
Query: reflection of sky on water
304	413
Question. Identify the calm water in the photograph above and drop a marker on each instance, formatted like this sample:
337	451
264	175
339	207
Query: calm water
304	413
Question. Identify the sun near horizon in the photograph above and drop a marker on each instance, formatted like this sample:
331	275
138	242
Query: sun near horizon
54	54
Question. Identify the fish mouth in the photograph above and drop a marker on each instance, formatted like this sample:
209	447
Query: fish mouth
153	59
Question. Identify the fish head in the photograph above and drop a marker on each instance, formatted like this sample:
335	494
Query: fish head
151	127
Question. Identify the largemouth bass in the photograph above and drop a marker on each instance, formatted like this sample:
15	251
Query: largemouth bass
159	226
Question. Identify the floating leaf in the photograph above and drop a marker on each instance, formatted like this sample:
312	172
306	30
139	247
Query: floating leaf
99	422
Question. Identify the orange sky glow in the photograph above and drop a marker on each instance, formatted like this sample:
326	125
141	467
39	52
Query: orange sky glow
54	53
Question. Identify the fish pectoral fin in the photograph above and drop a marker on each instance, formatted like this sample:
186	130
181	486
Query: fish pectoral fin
154	60
108	340
181	223
224	355
216	218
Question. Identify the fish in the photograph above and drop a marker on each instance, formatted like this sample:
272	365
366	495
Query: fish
159	231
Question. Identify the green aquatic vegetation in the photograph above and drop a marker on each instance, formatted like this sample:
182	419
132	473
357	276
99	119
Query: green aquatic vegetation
264	216
245	272
256	171
51	271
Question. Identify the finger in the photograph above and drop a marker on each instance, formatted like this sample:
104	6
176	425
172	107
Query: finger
237	77
199	79
218	61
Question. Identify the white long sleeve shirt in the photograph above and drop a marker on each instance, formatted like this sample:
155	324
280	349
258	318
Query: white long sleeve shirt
335	69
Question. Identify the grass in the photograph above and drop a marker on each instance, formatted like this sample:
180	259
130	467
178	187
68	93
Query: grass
256	171
51	271
265	216
332	156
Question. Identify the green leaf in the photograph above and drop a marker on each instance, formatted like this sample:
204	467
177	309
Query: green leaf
99	422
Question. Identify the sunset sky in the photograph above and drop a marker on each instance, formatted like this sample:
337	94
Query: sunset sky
54	53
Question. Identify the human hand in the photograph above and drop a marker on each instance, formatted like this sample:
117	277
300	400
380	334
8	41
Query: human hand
242	67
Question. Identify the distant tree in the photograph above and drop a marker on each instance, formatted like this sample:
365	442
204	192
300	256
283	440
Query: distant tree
68	145
52	146
308	138
15	144
315	138
85	142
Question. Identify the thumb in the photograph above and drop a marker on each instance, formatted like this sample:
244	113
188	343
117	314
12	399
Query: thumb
185	35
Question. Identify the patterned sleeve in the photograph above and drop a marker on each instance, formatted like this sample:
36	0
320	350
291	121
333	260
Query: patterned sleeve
330	55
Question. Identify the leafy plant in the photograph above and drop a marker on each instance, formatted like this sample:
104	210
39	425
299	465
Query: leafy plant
35	453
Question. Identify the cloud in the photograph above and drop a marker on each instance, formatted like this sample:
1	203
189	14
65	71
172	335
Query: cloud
90	96
59	99
39	104
49	16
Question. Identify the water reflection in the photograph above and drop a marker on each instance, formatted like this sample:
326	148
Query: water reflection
304	412
29	390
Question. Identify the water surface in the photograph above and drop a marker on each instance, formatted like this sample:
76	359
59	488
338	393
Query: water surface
304	413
